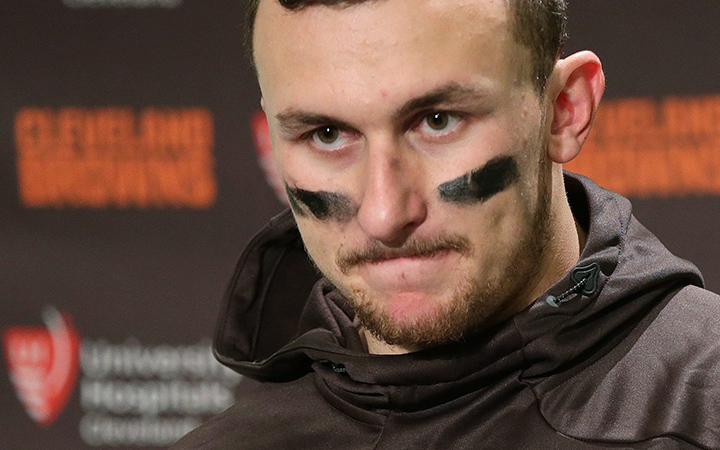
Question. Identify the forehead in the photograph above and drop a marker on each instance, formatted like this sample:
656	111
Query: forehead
378	47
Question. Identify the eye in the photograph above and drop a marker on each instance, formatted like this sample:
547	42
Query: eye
327	135
439	122
330	137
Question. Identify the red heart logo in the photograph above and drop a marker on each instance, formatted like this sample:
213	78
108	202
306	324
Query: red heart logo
44	364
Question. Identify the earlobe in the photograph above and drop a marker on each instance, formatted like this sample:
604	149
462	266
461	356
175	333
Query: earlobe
575	90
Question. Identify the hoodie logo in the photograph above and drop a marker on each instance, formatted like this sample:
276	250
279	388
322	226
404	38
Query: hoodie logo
43	364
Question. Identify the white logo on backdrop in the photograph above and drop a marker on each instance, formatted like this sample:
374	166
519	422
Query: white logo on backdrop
149	395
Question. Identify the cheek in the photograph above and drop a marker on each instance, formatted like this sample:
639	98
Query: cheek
322	205
315	192
496	227
321	242
483	183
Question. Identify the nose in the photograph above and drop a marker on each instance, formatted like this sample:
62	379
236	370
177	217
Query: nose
393	204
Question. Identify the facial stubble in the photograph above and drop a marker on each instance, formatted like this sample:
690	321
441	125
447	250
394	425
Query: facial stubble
475	303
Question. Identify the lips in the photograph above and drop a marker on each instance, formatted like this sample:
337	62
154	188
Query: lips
415	249
409	273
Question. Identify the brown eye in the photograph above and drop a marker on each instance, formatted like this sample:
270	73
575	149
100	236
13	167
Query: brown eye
328	135
438	121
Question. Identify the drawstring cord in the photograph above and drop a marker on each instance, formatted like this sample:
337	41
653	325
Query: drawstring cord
560	299
586	279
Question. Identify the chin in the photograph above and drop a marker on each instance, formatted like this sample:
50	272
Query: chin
416	319
409	308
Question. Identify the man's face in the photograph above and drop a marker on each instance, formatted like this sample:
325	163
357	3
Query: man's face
412	144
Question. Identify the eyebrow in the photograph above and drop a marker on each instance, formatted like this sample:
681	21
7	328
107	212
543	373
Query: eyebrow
450	93
293	120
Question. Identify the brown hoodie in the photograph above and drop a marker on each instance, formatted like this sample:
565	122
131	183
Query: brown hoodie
623	352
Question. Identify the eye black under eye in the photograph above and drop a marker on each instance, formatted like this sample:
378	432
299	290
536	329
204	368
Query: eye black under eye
438	120
328	135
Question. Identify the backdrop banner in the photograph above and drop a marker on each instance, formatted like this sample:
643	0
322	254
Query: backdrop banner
129	184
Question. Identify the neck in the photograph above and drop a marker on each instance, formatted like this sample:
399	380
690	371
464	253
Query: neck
377	346
561	252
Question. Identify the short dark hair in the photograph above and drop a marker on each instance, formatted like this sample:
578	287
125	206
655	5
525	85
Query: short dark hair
540	25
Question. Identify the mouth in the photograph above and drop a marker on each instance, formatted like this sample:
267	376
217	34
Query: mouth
406	258
415	251
409	273
420	265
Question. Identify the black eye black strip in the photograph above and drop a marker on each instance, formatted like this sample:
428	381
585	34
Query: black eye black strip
481	184
325	206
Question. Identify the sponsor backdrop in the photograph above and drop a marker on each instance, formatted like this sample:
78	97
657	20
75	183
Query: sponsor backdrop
129	185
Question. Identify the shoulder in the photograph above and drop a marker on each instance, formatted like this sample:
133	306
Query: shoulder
696	299
243	424
687	330
665	381
682	346
292	414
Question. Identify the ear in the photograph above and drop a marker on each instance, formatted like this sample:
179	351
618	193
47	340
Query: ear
574	91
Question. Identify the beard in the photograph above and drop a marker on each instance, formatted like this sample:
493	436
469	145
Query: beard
478	301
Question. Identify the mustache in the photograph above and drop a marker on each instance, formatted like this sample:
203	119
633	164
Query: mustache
375	252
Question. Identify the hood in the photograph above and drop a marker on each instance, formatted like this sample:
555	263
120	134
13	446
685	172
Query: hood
279	316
